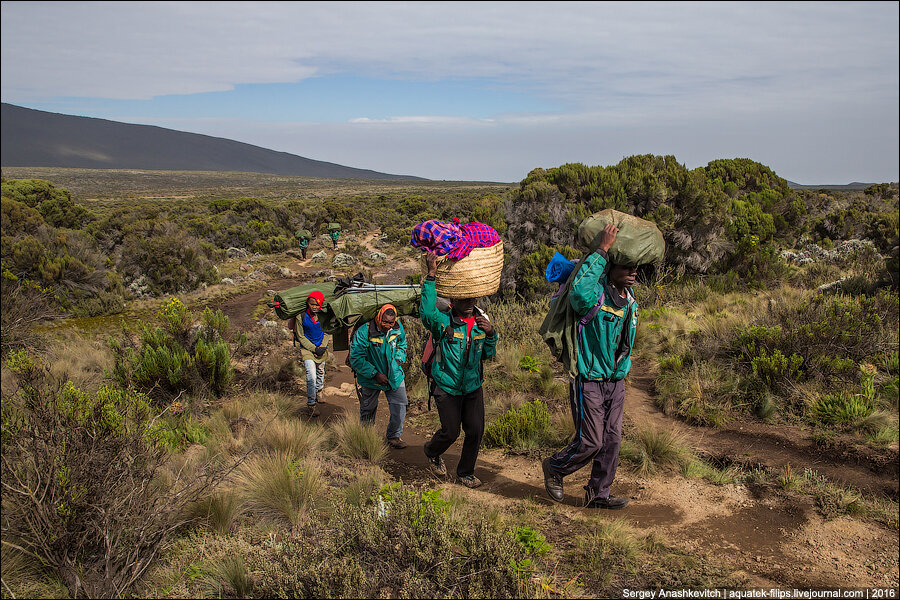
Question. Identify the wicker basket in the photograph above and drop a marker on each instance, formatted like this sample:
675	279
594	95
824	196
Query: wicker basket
474	276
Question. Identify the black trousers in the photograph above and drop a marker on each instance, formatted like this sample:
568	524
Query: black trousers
455	411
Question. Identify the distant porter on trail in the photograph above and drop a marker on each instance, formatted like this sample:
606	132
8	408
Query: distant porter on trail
303	237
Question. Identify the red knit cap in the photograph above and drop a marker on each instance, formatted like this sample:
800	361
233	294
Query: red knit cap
318	296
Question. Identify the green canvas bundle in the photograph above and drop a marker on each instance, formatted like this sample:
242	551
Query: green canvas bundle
351	308
343	311
639	242
304	233
334	227
292	302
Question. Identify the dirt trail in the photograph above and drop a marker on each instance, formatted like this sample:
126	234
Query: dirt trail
757	443
769	538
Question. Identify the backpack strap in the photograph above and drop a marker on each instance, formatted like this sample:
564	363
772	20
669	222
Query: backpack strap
591	313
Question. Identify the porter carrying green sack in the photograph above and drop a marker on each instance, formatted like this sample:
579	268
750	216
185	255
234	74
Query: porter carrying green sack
638	242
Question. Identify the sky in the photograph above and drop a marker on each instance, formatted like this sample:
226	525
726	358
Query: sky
482	91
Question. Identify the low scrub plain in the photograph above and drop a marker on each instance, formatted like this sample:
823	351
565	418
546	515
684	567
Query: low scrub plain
152	448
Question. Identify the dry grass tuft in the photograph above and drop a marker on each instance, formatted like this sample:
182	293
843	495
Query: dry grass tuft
356	440
277	487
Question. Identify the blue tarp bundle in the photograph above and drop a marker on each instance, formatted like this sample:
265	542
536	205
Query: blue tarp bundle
559	268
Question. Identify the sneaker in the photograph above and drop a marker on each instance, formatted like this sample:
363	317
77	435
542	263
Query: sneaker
396	443
553	483
470	481
437	465
610	502
313	410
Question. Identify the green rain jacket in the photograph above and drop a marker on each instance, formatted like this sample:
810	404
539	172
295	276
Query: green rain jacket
373	351
605	343
457	367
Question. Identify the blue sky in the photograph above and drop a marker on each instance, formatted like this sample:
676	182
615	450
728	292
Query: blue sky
483	90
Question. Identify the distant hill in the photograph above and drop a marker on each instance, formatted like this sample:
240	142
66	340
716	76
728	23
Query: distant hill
848	187
35	138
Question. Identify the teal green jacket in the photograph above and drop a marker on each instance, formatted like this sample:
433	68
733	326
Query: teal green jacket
605	343
372	352
457	367
304	243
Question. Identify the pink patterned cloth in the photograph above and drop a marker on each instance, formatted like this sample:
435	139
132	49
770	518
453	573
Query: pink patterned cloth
453	240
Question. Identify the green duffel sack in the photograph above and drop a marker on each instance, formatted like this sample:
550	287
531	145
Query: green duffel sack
351	308
334	227
638	242
292	302
304	233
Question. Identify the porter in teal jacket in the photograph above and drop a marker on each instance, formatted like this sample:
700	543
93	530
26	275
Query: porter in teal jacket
372	352
605	343
457	363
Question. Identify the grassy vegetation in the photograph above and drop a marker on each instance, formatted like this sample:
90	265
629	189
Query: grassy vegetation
296	509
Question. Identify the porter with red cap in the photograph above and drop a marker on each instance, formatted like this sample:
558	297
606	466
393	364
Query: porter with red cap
314	350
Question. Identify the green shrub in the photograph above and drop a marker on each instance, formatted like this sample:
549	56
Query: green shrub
777	367
177	357
532	542
81	481
519	428
54	204
844	408
405	542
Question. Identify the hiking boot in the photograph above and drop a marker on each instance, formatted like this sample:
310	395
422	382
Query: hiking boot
320	397
470	481
553	483
312	410
437	465
610	502
396	443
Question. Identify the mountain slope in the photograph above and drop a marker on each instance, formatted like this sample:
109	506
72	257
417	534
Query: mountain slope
34	138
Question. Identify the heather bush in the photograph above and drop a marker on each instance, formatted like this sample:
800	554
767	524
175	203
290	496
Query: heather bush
177	357
524	427
401	541
82	488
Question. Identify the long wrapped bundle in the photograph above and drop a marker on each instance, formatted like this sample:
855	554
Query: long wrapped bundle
638	242
292	302
350	308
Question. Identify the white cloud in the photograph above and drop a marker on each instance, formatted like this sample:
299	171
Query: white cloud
421	120
572	51
809	88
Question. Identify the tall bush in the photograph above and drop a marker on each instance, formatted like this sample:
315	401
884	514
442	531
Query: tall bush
81	487
179	356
